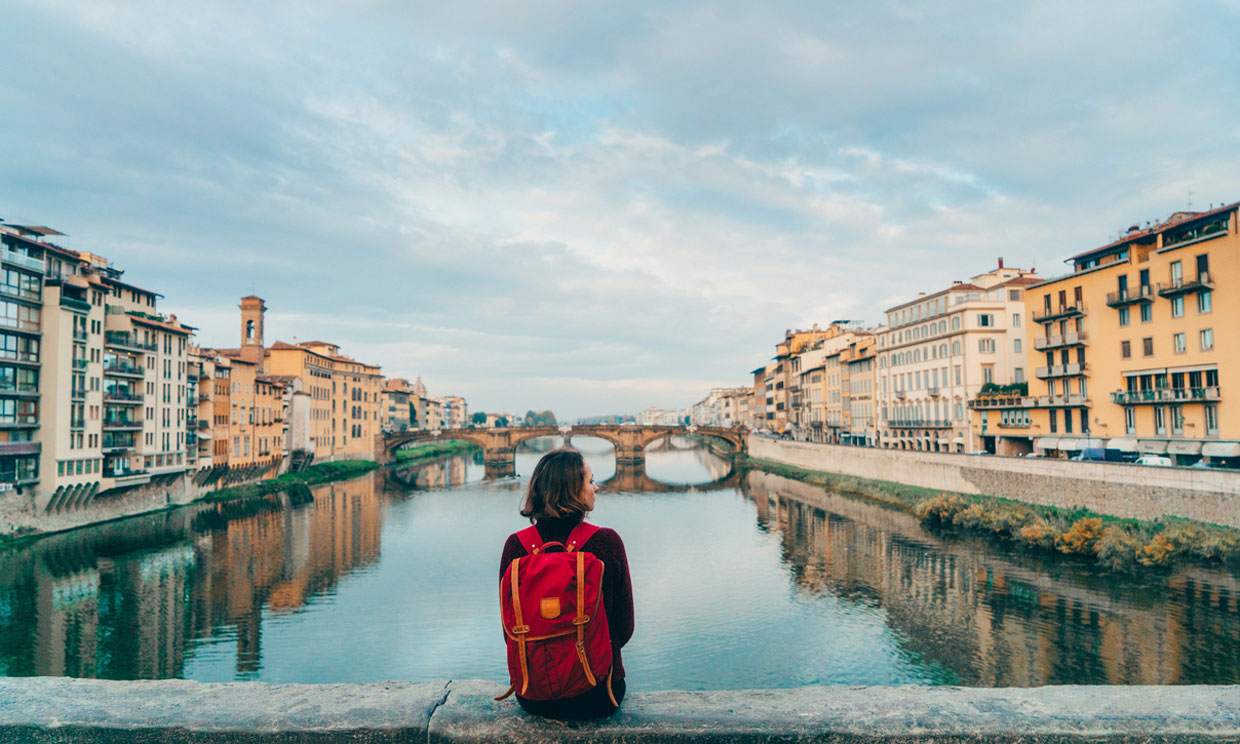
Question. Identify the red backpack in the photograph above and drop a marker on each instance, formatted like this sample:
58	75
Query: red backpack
551	605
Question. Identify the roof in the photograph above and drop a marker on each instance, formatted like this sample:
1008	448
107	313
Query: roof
1159	228
1020	281
178	327
127	285
252	297
40	230
967	286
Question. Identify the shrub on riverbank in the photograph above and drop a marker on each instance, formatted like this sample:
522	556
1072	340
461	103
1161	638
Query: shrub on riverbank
1120	544
429	451
323	472
1117	544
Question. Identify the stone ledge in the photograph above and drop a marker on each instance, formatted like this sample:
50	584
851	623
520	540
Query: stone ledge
44	710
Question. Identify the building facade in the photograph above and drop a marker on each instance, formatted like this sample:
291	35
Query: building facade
1131	349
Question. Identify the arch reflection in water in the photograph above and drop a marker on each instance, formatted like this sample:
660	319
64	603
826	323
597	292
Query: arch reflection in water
763	582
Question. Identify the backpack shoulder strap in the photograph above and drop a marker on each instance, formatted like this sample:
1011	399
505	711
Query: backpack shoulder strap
530	539
580	535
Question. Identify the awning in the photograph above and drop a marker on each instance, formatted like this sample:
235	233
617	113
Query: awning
1070	445
1140	372
1154	446
1046	443
1184	448
1123	444
959	440
1221	449
1093	443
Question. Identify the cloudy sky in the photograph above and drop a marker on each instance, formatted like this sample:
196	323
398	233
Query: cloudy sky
594	209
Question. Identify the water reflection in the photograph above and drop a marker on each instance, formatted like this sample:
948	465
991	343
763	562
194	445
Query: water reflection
752	581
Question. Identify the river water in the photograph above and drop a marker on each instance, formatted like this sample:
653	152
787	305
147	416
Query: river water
748	581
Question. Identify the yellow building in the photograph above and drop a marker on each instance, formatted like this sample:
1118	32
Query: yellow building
1130	350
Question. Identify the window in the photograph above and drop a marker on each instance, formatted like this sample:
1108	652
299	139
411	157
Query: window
1130	420
985	320
1179	343
1054	420
1124	316
1125	349
1177	420
1207	339
1160	420
1147	312
1018	374
1211	412
986	345
1205	302
988	373
1016	345
1177	273
1177	307
1013	294
1147	346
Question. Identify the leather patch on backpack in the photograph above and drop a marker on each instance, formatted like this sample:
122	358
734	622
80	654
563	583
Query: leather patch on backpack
549	607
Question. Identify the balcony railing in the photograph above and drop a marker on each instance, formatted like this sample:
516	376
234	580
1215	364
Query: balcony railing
20	419
1167	395
1053	342
1063	311
79	336
1125	297
1004	401
1202	283
118	396
24	389
124	370
121	424
920	424
933	391
80	363
8	449
22	260
77	423
77	394
117	442
17	324
1014	424
1062	370
1056	401
8	290
74	304
124	341
204	423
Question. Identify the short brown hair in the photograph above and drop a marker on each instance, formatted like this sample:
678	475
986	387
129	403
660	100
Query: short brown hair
556	486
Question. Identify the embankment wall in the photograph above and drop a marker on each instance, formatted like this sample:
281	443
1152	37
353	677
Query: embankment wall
45	710
1119	489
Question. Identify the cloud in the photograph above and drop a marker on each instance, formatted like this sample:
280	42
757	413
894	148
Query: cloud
549	203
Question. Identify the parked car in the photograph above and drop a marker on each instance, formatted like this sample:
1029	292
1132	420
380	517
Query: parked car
1035	454
1161	461
979	452
1206	463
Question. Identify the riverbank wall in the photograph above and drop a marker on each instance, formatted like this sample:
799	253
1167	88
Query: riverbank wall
26	514
44	710
1117	489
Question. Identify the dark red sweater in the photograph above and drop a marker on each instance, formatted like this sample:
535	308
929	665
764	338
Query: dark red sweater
617	586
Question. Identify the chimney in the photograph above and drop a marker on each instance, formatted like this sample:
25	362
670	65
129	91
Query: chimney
1001	262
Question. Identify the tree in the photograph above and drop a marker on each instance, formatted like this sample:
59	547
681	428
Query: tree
501	421
539	418
480	418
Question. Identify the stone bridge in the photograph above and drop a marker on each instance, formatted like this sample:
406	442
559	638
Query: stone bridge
499	444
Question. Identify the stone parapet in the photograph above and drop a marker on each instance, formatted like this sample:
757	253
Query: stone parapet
44	710
1119	489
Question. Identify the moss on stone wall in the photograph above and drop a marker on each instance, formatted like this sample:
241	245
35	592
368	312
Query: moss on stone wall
432	451
323	472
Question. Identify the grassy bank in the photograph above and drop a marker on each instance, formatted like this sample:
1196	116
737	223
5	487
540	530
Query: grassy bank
1119	544
323	472
432	451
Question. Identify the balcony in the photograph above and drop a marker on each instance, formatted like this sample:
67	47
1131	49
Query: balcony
1125	297
119	340
124	370
77	395
204	423
79	336
113	443
17	293
191	377
1014	424
80	364
1060	401
191	438
121	424
933	391
81	306
1063	311
901	394
1002	401
16	324
77	423
191	400
920	424
20	448
1062	370
1202	283
12	389
1167	395
1054	342
18	259
123	397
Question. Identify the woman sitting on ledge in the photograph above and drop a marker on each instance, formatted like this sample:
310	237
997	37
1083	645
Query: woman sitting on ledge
561	492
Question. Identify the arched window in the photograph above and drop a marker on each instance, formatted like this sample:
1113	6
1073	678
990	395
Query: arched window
249	330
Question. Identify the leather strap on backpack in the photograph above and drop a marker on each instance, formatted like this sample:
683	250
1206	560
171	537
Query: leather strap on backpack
582	618
520	629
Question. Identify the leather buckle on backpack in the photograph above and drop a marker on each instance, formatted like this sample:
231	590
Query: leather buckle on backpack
582	620
521	630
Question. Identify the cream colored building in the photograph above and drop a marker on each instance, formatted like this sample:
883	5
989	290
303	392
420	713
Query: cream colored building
938	351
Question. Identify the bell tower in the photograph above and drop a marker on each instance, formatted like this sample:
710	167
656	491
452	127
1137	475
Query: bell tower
252	311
